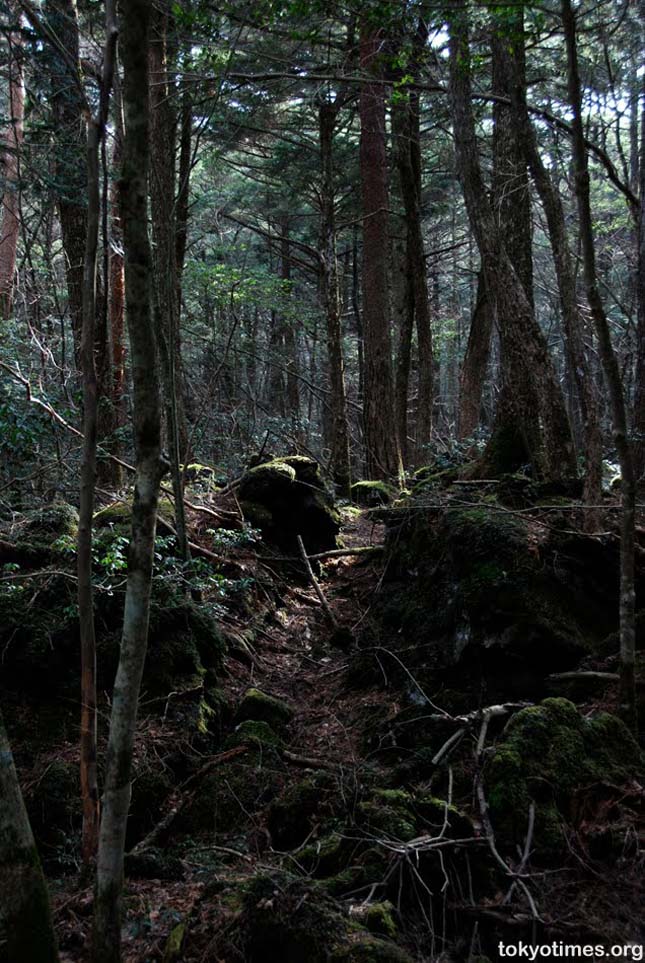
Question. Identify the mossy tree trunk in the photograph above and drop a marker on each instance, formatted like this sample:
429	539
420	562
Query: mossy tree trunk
134	32
24	901
536	419
612	378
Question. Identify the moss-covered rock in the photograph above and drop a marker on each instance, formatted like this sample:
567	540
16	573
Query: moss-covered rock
292	817
258	735
231	798
286	497
379	919
286	919
479	591
119	513
548	752
261	707
372	493
48	524
388	813
370	949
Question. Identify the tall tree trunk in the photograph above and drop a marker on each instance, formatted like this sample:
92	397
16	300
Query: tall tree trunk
330	295
536	406
382	452
88	771
68	111
288	332
473	369
163	130
612	378
572	321
639	377
134	45
10	216
406	118
115	386
24	901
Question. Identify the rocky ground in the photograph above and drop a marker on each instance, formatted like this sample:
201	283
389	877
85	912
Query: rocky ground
410	775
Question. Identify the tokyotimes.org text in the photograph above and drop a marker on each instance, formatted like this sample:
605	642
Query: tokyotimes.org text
558	950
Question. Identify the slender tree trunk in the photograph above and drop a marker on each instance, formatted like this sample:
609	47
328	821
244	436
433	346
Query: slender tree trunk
473	370
639	377
612	379
24	901
163	129
330	291
288	331
88	772
383	454
134	46
536	406
115	387
572	321
70	160
10	217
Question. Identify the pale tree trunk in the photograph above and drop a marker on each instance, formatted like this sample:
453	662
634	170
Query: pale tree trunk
163	130
612	378
382	451
134	46
538	403
288	332
339	461
10	216
24	901
88	772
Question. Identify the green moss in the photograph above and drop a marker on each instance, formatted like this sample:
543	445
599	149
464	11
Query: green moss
371	493
291	817
261	707
48	524
370	949
548	752
229	798
379	919
172	952
258	734
120	513
388	812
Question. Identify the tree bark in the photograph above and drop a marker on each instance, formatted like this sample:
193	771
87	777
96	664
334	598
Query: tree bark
24	900
88	772
536	408
339	461
10	217
134	45
639	377
473	369
612	378
70	161
163	132
382	451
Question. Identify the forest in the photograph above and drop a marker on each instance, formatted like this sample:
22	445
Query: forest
322	424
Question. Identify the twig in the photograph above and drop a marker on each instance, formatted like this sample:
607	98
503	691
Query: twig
316	585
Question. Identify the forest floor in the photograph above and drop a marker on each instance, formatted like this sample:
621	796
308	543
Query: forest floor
343	807
295	660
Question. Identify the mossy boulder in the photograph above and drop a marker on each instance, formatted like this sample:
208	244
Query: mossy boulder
287	919
550	751
388	813
293	816
231	799
372	493
261	707
119	514
48	524
370	949
379	919
479	591
258	735
286	497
